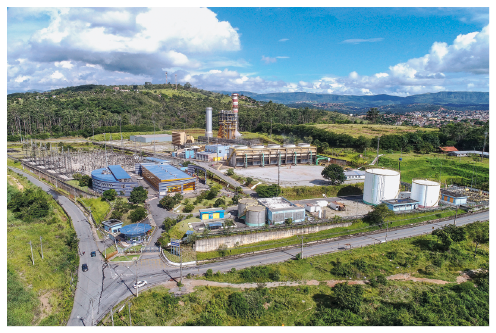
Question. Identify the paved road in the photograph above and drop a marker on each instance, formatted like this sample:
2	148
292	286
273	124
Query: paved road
89	284
120	277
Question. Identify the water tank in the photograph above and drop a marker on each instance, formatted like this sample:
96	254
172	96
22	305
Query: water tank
255	216
243	203
305	145
272	146
426	192
380	184
289	146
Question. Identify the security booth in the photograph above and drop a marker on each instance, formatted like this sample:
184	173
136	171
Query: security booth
112	225
211	214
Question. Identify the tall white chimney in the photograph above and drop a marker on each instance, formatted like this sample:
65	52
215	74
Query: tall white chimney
234	97
208	118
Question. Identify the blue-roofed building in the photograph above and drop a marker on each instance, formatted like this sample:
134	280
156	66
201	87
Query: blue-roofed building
137	166
213	153
211	213
113	177
136	231
166	179
397	205
215	225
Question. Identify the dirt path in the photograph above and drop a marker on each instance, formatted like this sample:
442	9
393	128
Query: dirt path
19	186
189	285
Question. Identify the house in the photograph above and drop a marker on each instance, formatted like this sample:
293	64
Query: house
116	88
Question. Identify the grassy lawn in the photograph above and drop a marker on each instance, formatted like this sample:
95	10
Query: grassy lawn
308	192
371	130
178	231
98	207
439	168
49	279
357	227
12	163
75	183
125	258
125	135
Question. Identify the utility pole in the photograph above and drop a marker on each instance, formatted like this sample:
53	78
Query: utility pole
120	127
41	242
484	146
456	212
176	80
32	257
278	171
112	315
129	310
387	229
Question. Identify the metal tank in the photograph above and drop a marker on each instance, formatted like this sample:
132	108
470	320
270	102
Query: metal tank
208	118
380	184
243	204
426	192
255	216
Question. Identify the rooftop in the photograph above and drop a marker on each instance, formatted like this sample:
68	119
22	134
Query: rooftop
400	201
165	172
136	229
156	160
275	203
111	174
153	135
118	172
112	223
453	194
354	173
447	149
210	210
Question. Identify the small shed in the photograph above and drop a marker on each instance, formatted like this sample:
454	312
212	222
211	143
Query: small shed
397	205
453	198
211	214
215	225
112	225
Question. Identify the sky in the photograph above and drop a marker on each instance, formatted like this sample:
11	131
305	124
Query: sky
344	51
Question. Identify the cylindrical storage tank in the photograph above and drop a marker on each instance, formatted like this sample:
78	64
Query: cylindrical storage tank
255	216
208	118
243	204
273	146
380	184
289	146
426	192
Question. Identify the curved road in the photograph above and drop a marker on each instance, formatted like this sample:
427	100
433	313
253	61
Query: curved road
89	285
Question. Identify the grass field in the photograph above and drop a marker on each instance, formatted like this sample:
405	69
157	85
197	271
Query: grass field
125	135
308	192
357	227
371	130
40	294
438	167
99	208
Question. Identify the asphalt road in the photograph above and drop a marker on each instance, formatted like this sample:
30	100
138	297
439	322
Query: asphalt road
89	285
120	277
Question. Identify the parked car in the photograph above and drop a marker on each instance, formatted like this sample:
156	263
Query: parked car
84	267
93	253
139	178
140	284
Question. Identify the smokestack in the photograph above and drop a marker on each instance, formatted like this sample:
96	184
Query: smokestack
234	97
208	118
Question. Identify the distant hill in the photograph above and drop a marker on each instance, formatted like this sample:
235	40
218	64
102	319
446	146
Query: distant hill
447	99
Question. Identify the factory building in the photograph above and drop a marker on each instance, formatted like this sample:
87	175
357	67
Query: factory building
113	177
397	205
463	153
148	138
279	210
165	178
272	154
213	153
453	198
156	160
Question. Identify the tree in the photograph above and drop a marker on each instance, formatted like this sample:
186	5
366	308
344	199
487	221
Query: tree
187	85
230	172
479	233
372	115
249	180
235	199
164	239
167	202
219	202
334	173
288	221
268	191
109	195
85	180
378	214
348	296
116	214
138	214
138	195
188	208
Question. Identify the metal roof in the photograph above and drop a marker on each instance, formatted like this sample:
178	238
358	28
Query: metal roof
354	173
453	194
215	224
190	232
157	160
118	172
462	152
112	222
153	135
401	201
103	174
211	210
165	171
136	229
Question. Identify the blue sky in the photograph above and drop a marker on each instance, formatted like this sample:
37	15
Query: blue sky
359	51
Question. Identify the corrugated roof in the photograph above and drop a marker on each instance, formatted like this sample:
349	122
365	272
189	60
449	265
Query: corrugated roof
447	149
148	136
165	171
107	176
136	229
157	160
118	172
215	224
210	210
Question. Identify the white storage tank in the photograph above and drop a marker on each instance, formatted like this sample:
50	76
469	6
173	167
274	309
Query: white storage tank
426	192
380	184
255	216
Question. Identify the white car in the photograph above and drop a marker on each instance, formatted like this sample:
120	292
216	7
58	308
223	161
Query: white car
139	178
140	284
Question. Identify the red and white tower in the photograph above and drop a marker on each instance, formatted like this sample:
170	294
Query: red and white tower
234	108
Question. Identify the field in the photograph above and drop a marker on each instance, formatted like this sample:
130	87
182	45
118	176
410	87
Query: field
446	169
39	294
370	130
320	301
99	208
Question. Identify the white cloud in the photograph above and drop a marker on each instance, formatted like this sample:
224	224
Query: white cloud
283	40
268	60
358	41
282	57
20	79
64	64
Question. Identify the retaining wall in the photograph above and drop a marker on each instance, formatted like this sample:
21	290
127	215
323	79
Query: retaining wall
212	244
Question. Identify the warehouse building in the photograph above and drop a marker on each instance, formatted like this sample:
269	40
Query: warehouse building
453	198
165	178
213	153
113	177
354	174
280	210
149	138
463	153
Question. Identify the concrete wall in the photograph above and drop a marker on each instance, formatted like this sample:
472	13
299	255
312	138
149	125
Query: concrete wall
212	244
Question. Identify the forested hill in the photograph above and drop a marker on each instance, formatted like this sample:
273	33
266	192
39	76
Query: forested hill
81	110
451	99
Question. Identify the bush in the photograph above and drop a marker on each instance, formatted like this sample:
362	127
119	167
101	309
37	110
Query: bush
164	239
268	191
109	195
116	215
29	204
348	297
188	208
138	214
85	180
209	273
167	202
249	180
138	195
230	172
219	202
